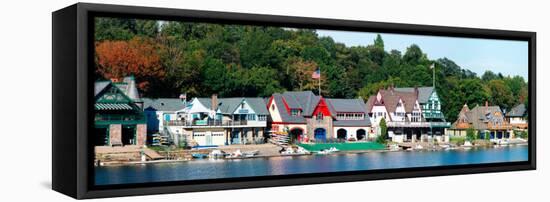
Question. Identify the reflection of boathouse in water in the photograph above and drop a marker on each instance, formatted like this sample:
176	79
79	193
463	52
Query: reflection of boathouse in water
118	114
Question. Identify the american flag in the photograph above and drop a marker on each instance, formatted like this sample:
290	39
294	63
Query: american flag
316	74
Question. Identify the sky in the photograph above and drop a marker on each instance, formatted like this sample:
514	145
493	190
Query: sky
478	55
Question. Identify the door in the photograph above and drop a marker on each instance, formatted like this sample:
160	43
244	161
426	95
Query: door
208	139
320	134
200	138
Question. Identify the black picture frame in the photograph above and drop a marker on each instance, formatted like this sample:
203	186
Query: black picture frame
72	83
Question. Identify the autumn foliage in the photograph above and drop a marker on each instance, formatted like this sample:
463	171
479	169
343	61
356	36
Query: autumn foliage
137	57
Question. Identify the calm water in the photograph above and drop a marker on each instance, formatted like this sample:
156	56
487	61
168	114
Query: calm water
211	169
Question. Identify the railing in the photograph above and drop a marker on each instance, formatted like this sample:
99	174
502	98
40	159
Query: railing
430	115
441	124
504	126
206	123
407	124
122	118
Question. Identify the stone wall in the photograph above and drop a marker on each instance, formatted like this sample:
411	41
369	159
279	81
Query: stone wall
115	134
141	134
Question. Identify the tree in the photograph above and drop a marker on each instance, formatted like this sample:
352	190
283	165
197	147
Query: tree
488	76
137	57
471	134
413	55
382	138
501	95
378	42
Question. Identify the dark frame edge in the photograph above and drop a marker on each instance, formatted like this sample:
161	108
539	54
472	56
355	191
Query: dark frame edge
76	185
64	36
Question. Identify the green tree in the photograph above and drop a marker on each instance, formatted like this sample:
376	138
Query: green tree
414	55
382	138
501	95
471	134
379	42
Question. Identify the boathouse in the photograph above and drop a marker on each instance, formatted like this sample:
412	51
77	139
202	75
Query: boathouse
488	122
118	114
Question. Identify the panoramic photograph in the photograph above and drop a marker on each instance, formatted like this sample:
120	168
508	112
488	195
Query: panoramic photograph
184	101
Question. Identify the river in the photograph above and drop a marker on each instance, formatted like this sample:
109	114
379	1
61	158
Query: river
212	169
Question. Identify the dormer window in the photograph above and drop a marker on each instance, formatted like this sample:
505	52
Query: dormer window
295	112
320	116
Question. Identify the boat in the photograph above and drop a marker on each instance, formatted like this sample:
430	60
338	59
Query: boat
216	153
328	151
199	155
467	145
289	151
250	153
235	154
394	147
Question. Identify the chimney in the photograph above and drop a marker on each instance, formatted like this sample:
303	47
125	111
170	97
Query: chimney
214	101
416	91
183	98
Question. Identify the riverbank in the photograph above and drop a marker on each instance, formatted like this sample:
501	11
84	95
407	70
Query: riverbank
108	156
281	165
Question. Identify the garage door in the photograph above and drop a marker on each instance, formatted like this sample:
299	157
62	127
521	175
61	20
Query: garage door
218	138
200	138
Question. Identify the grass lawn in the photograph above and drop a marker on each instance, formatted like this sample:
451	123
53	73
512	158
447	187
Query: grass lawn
344	146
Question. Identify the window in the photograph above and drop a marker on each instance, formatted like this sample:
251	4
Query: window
273	107
262	117
251	117
295	112
320	116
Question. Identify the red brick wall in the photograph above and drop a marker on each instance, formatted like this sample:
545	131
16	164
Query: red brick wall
141	134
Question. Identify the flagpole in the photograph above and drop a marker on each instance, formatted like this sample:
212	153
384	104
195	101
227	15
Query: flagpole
433	70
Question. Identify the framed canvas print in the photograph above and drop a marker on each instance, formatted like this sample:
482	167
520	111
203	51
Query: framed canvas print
156	100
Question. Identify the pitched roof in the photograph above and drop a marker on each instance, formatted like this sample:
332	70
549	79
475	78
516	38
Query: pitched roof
424	93
391	98
99	86
127	86
346	105
479	116
228	105
370	103
518	111
305	100
285	115
163	104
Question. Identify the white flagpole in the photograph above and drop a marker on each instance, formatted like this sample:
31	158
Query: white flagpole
433	70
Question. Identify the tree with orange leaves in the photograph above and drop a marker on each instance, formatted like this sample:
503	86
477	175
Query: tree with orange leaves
137	57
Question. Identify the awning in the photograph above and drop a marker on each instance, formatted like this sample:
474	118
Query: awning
113	106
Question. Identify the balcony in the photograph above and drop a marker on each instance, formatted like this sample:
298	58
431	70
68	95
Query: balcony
433	115
207	123
440	124
119	119
407	124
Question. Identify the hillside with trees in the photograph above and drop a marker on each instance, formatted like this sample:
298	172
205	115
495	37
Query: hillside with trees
169	58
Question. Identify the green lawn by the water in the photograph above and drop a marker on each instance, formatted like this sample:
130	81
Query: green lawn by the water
344	146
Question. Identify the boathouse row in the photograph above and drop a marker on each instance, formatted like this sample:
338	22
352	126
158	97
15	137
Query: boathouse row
118	114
